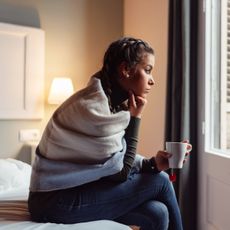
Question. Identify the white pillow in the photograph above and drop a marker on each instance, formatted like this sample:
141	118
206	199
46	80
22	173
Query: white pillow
14	174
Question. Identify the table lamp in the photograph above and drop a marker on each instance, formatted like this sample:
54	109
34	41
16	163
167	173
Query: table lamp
61	88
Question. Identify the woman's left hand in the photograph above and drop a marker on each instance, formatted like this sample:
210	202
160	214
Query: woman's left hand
189	149
136	104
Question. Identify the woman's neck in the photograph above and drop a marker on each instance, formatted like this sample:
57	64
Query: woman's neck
118	95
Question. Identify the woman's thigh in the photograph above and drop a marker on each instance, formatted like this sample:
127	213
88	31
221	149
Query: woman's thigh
101	199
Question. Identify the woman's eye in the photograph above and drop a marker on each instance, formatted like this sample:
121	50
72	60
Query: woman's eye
148	71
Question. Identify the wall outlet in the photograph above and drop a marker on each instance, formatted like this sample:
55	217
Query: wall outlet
26	135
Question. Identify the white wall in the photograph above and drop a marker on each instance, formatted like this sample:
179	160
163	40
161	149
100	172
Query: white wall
148	19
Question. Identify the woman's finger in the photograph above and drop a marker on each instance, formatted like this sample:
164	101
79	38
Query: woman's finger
189	147
132	102
186	154
185	141
140	100
165	154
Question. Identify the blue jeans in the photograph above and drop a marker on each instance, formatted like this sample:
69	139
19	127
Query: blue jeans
145	199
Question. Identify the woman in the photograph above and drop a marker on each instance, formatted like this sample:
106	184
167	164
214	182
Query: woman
86	167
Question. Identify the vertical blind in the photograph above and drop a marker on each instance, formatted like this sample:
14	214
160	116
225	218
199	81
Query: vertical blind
228	51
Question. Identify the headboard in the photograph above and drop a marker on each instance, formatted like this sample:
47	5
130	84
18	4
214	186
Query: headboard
21	72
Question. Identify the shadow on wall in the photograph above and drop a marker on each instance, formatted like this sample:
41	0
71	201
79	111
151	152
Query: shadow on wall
25	154
19	15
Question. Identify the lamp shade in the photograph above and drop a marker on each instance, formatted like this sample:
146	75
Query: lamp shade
61	89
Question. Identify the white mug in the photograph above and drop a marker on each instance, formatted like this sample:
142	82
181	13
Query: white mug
178	151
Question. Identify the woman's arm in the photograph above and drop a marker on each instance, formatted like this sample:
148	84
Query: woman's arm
131	137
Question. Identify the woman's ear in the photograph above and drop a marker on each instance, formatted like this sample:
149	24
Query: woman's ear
123	70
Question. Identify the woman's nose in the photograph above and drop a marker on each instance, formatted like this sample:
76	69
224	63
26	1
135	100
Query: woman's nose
151	81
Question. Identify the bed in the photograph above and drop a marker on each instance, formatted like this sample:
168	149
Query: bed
14	215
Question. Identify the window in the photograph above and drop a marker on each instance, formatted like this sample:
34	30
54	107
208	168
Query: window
217	118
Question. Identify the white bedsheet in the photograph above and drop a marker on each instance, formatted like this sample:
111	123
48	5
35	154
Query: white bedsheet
93	225
20	193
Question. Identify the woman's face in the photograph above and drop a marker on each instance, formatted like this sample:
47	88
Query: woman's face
139	79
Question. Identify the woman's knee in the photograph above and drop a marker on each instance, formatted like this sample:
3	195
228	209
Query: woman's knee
164	176
165	181
158	214
163	214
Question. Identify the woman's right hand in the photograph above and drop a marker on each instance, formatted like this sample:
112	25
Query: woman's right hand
161	160
136	105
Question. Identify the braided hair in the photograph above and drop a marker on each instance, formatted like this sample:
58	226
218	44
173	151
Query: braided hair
127	49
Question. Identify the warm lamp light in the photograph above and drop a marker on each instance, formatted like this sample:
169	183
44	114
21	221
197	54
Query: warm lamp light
61	89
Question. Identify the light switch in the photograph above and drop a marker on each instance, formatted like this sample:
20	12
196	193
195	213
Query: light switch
26	135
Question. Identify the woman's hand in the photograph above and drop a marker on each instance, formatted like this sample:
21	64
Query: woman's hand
162	157
189	149
161	160
136	105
